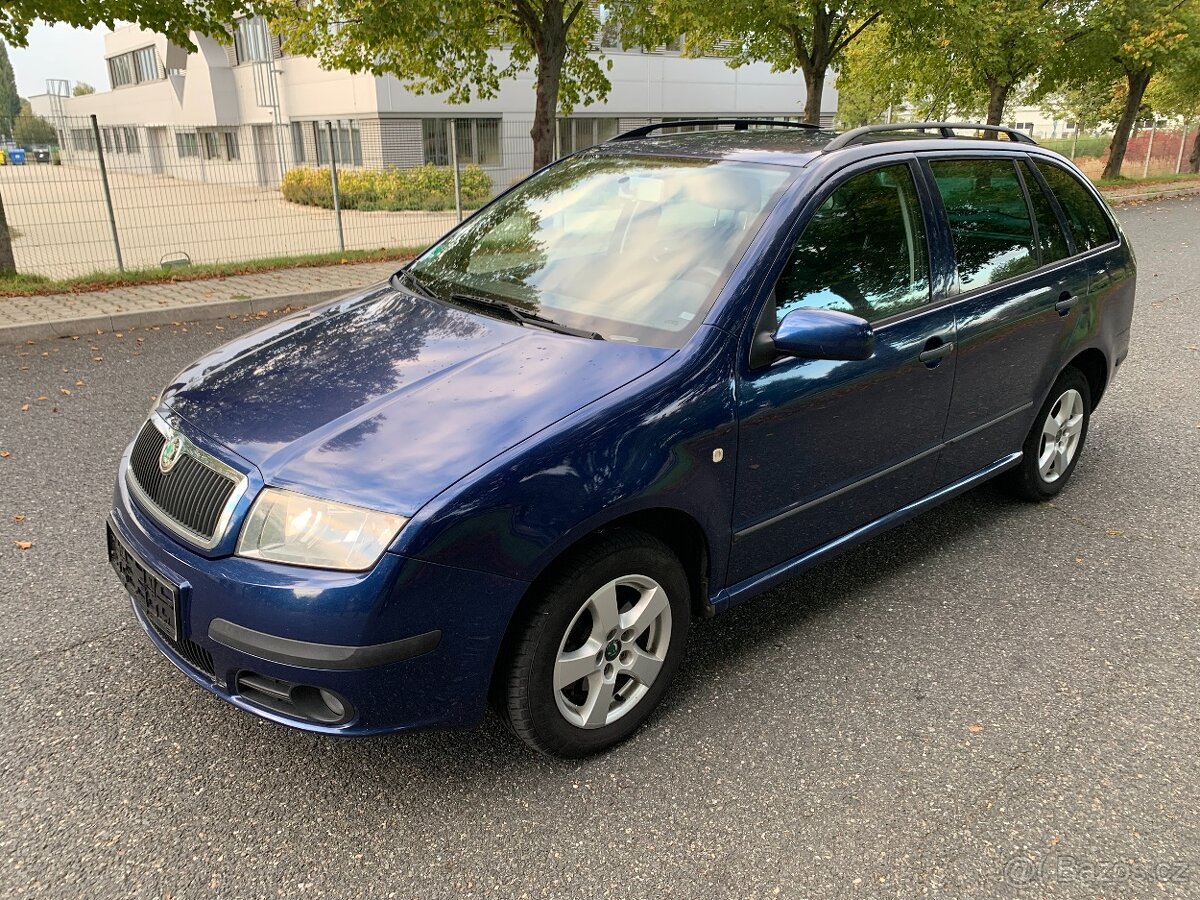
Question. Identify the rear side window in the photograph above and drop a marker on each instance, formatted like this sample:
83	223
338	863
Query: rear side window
862	252
989	219
1051	240
1089	222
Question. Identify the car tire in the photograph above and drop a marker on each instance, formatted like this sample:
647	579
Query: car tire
616	613
1055	441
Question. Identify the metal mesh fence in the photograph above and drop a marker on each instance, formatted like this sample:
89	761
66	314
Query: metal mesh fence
229	194
86	197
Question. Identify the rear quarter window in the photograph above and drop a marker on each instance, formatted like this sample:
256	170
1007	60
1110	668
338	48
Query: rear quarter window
1089	222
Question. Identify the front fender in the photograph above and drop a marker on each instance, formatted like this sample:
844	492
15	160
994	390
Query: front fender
649	445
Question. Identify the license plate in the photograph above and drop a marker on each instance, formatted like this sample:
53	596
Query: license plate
155	596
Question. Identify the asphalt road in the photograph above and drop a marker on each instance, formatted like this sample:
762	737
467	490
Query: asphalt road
995	699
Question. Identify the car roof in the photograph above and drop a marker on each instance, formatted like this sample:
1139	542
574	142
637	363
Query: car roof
800	146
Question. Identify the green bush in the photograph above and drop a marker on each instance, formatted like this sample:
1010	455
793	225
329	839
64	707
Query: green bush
422	188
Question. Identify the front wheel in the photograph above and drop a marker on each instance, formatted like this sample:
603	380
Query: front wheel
1056	439
596	652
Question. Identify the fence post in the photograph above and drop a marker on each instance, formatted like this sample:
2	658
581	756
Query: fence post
112	219
1187	129
1149	147
454	165
337	199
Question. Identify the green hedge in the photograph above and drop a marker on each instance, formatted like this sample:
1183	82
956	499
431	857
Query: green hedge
421	188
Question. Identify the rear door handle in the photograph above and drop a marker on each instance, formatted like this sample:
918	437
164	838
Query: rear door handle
936	353
1065	302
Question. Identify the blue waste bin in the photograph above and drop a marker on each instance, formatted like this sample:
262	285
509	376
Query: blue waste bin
16	156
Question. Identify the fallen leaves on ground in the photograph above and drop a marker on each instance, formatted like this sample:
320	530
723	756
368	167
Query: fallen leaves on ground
23	545
975	728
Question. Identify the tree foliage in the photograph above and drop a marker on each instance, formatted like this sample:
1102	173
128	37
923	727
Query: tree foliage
1132	40
806	35
82	89
446	46
10	100
30	130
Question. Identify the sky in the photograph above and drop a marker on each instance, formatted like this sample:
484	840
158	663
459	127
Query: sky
59	51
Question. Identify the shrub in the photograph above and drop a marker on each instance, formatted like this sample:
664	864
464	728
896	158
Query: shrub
425	187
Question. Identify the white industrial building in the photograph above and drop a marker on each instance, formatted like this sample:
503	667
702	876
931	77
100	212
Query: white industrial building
228	110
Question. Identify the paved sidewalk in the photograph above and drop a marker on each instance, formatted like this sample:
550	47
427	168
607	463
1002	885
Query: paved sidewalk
60	315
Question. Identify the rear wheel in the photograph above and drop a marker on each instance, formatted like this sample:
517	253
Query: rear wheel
1056	439
596	652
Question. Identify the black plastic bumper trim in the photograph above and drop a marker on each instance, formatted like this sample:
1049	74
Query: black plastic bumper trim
308	655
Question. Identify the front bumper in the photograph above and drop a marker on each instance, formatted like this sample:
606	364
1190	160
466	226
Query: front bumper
407	644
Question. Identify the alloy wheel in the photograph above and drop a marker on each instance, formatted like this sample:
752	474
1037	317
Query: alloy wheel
1060	435
612	651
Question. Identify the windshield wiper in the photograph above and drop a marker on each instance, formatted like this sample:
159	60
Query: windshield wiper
422	288
523	317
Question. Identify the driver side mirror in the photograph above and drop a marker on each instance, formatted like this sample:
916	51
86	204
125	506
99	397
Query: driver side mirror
824	334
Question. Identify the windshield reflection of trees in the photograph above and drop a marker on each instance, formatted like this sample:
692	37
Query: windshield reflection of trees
324	368
629	240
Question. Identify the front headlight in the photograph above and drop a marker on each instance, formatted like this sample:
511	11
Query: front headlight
286	527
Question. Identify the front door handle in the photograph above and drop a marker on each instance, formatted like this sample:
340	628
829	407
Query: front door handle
1065	302
932	354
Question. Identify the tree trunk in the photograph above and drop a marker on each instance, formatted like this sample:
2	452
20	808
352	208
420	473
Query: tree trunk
1194	159
1133	101
551	52
814	85
8	264
997	98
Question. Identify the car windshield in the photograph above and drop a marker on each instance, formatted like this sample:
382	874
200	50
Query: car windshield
631	248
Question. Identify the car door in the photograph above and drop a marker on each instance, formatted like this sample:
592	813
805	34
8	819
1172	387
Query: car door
827	446
1019	297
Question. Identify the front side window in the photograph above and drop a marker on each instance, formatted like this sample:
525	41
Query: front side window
989	219
632	248
1089	223
862	252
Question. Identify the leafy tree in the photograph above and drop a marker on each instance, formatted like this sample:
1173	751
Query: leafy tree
1133	40
82	88
809	35
30	130
443	45
978	54
10	100
1176	92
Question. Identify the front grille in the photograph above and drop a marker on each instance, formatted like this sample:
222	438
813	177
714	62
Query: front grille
192	494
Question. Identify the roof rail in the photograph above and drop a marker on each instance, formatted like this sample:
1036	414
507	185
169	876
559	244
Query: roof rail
945	129
738	125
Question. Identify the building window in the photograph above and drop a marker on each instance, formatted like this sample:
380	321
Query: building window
579	134
251	42
83	139
134	67
210	144
477	140
186	144
298	155
347	142
131	141
145	64
231	146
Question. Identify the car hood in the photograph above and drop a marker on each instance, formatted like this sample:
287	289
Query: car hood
384	399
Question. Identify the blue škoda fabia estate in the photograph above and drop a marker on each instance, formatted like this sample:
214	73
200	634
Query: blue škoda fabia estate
650	381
